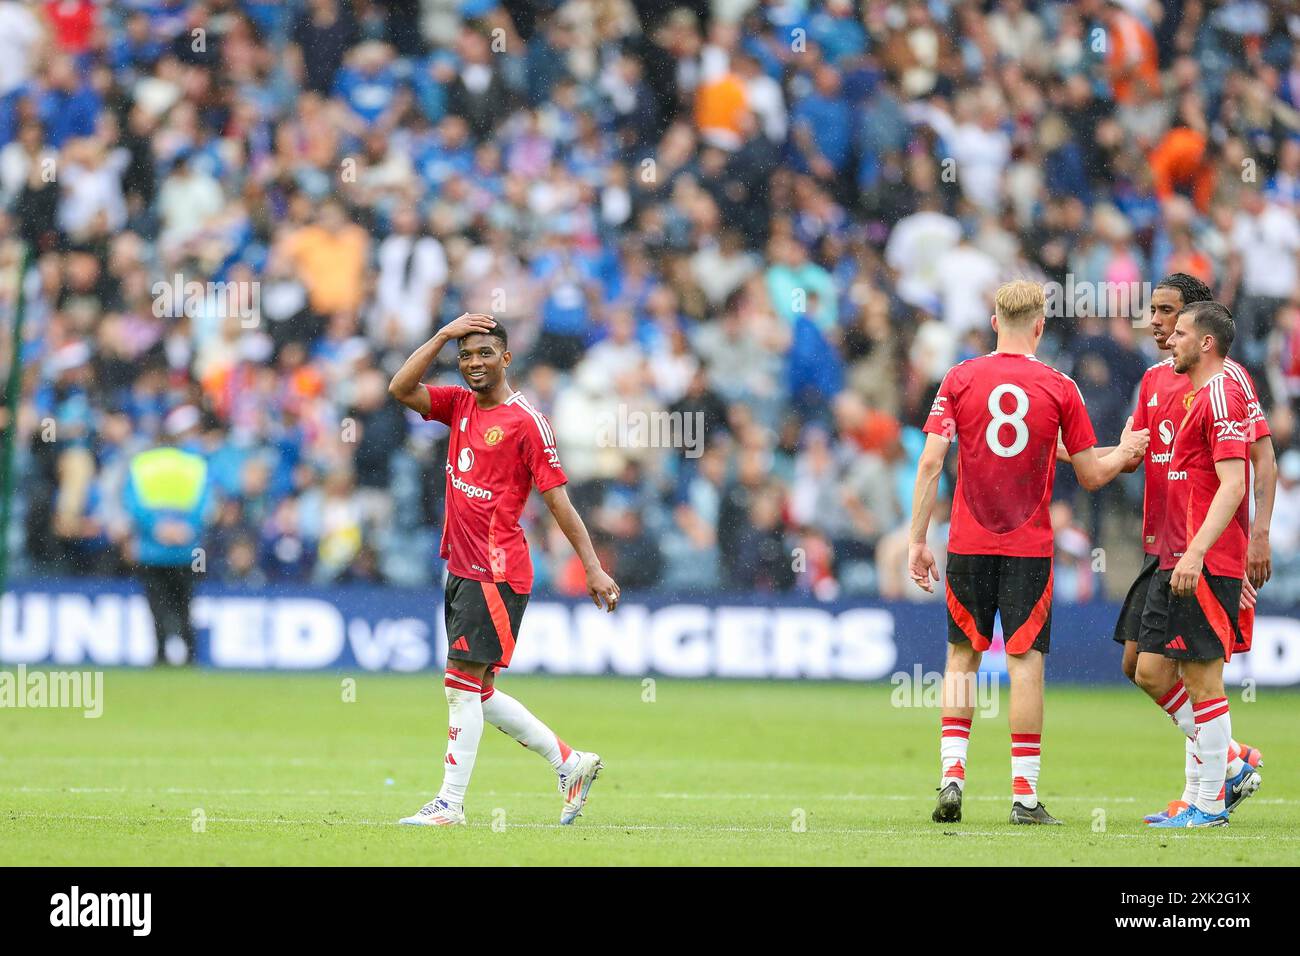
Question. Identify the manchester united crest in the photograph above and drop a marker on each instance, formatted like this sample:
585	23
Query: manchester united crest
1187	401
494	435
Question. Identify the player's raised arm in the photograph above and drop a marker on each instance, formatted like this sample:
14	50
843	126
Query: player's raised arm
920	560
1096	470
1259	557
600	586
406	385
1223	507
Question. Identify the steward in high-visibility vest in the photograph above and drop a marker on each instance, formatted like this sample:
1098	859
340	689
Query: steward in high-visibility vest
167	494
169	487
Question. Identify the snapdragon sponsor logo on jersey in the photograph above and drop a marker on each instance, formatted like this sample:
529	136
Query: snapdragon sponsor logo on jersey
465	460
465	488
1165	430
1177	476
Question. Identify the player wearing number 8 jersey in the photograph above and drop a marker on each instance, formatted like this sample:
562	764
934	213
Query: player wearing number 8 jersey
1005	410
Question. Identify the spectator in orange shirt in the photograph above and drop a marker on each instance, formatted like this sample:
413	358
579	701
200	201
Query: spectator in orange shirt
330	258
720	105
1181	161
1132	61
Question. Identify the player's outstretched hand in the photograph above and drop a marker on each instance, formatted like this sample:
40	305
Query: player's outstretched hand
921	566
1134	441
1259	560
1248	595
1187	572
467	324
604	592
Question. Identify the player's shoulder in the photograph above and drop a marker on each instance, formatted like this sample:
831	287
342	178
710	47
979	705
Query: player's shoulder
1161	368
1052	375
1238	373
534	423
966	367
1221	391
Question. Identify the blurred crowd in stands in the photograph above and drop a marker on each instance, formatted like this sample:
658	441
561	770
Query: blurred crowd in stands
781	219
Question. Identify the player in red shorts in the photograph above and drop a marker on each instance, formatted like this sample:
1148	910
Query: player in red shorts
1163	400
1191	608
500	448
1005	410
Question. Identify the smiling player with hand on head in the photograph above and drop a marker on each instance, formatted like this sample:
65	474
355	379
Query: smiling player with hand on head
499	448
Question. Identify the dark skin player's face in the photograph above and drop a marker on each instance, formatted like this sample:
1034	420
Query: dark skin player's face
483	362
1165	306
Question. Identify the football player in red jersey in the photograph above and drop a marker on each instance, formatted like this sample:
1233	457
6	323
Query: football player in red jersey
1005	410
1191	608
1163	400
499	449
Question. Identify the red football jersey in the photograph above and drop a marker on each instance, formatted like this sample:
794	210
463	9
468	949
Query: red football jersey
1164	398
1216	428
494	458
1005	411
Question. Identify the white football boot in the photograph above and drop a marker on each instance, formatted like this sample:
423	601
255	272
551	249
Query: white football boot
436	813
576	784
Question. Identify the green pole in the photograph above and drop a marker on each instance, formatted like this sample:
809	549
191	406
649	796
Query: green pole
12	386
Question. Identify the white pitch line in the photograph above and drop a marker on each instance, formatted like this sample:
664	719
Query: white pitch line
380	791
637	827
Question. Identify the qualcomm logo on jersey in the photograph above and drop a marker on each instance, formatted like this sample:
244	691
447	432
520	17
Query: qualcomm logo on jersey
1178	476
1230	431
465	460
465	488
1166	430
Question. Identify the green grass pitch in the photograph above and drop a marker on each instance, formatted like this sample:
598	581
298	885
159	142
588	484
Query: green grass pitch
278	769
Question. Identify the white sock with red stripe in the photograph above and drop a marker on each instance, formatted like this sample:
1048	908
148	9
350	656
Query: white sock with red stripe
1026	756
1235	760
1213	736
1178	705
511	717
1191	772
954	741
464	731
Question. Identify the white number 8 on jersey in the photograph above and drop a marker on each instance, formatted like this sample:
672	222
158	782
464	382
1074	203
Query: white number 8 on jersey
1016	419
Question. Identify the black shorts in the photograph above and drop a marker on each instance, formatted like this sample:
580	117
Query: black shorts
1129	625
1202	627
482	620
982	585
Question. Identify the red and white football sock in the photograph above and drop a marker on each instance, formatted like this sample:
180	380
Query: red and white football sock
1235	759
1026	756
1191	772
511	717
1213	735
464	731
1178	705
954	741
